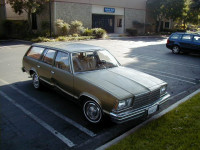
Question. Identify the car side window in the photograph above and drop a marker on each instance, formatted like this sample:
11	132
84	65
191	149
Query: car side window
187	38
175	36
48	56
35	52
62	61
197	39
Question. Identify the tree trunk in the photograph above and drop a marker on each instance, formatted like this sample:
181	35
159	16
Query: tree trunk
159	25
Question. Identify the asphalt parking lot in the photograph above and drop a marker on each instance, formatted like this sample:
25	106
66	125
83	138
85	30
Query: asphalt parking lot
46	119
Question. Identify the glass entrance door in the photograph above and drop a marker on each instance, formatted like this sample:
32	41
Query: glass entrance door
103	21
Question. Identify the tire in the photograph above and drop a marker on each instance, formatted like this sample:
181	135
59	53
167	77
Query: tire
36	81
92	112
176	49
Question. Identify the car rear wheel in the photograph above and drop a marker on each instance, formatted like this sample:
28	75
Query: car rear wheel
92	111
36	81
176	49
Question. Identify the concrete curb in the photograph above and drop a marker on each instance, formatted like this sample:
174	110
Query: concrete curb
116	140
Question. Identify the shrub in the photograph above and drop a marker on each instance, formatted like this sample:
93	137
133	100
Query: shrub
131	32
75	35
77	27
63	28
42	39
99	33
88	32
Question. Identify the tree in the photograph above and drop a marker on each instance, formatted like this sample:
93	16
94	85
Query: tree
195	6
168	9
28	6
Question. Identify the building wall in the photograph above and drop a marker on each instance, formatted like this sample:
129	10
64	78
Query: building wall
73	11
43	16
11	15
2	17
137	4
134	15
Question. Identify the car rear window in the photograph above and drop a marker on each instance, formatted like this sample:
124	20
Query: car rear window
35	52
175	36
187	38
197	39
48	56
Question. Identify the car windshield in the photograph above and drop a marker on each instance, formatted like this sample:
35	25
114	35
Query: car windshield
95	60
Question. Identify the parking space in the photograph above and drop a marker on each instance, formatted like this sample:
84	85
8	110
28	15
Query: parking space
48	119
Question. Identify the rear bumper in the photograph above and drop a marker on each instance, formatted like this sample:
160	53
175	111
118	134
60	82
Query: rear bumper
136	113
169	46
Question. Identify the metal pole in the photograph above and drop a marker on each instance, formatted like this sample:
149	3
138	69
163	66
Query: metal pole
50	17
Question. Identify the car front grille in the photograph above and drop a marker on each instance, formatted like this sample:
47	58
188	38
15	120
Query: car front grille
146	99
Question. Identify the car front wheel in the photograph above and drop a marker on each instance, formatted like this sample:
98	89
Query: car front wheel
176	49
92	111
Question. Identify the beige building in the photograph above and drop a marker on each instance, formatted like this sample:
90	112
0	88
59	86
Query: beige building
115	16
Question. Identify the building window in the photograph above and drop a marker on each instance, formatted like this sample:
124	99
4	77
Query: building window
167	25
119	22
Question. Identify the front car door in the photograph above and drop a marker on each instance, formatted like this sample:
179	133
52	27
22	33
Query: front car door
44	67
62	76
196	43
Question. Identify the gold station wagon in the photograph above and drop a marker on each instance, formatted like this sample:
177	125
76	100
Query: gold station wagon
92	76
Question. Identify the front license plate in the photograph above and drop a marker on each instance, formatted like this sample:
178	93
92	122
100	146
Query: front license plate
152	110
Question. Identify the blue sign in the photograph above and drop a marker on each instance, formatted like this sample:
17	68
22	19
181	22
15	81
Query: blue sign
109	10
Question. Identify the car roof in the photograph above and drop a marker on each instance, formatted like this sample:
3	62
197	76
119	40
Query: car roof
185	33
69	47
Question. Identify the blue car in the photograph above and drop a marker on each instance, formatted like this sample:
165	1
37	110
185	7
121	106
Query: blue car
184	42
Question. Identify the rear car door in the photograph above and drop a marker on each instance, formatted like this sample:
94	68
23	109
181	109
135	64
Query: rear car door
44	67
62	76
196	43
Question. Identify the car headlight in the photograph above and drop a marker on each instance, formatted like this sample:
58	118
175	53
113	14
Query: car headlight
163	90
124	104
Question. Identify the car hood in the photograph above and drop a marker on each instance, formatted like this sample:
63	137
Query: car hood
122	82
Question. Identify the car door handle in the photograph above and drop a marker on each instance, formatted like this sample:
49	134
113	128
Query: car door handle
52	72
38	66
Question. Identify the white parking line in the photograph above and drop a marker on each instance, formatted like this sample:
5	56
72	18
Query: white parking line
165	73
39	121
78	126
168	77
168	61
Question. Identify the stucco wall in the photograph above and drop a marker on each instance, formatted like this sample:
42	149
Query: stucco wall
134	15
43	16
11	15
137	4
73	11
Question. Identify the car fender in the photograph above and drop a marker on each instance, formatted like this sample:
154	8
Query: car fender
92	97
32	69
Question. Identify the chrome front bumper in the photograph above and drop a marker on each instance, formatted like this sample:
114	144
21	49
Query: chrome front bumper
136	113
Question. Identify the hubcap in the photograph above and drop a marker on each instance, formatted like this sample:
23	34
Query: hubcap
92	112
175	49
36	81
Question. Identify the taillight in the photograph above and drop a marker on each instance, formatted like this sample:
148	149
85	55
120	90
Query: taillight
167	41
